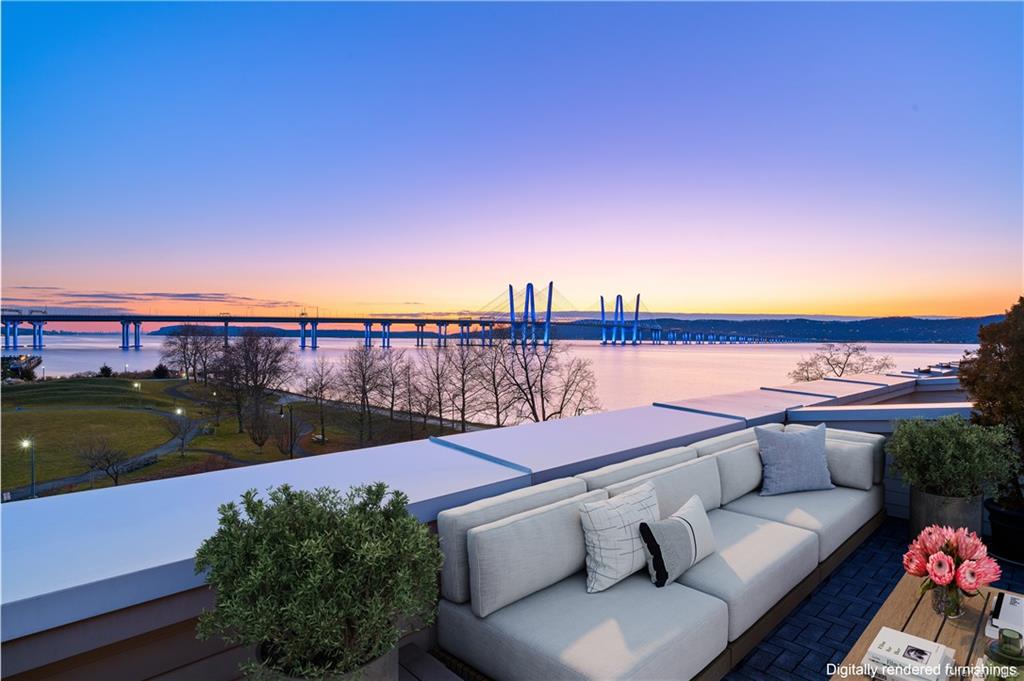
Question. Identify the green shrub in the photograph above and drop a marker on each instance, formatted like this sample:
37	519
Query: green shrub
322	582
950	456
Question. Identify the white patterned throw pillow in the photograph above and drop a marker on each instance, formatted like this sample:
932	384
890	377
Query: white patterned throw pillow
612	531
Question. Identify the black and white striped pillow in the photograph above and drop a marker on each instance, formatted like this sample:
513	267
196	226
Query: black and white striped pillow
678	542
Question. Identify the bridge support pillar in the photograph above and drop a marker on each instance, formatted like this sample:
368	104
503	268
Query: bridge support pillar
442	334
302	335
14	334
37	335
463	333
385	334
312	335
225	335
138	335
420	341
7	335
124	335
367	334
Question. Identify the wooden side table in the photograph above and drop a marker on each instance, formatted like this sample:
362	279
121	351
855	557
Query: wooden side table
906	609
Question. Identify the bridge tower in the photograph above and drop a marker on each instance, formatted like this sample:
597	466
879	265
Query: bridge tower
528	326
618	324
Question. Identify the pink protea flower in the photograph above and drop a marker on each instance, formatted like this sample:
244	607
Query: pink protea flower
969	545
915	562
987	571
941	569
967	577
933	538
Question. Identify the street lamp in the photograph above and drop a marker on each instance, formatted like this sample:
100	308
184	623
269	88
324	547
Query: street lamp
291	426
31	446
138	391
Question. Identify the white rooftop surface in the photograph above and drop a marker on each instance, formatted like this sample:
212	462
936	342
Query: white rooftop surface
753	406
836	389
72	556
569	446
876	412
875	379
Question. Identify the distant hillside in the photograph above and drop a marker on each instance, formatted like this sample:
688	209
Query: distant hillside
879	330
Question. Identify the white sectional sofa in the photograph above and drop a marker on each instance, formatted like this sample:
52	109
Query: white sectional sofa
514	602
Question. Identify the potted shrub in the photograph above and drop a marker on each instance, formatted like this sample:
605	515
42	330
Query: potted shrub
322	584
949	465
994	378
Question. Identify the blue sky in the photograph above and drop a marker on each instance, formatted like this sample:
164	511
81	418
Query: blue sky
729	157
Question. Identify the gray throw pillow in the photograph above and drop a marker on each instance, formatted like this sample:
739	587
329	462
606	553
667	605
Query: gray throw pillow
678	542
793	461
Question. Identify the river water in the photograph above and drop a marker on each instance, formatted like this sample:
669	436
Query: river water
627	376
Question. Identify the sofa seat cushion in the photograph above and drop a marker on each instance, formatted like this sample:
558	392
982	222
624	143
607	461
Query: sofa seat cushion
758	561
630	631
834	515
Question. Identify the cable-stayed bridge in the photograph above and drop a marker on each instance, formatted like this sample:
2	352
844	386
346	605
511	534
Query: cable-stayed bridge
511	315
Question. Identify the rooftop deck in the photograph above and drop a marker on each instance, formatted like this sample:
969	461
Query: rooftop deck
70	558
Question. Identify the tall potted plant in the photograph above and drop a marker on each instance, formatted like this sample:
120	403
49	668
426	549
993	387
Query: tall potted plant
994	378
949	464
321	584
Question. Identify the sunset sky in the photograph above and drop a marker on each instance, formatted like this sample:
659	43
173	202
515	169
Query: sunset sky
861	159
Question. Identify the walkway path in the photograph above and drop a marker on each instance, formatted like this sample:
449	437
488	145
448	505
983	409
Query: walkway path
172	446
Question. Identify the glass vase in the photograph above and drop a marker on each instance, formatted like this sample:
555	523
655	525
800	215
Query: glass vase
948	601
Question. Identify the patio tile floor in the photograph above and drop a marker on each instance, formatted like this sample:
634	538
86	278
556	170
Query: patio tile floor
827	624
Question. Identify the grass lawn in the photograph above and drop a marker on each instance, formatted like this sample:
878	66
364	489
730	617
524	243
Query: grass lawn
56	434
169	466
226	438
92	392
343	429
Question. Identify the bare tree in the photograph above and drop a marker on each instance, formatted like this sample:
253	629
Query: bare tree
420	395
251	367
258	424
207	347
464	384
360	377
180	426
267	362
287	433
496	393
99	455
320	384
437	374
230	384
409	393
392	379
839	359
179	349
549	382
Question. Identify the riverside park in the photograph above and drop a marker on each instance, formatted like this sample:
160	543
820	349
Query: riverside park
141	418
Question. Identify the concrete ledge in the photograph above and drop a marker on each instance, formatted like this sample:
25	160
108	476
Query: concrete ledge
565	447
74	556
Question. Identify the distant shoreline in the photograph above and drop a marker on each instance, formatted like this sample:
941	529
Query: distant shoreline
962	330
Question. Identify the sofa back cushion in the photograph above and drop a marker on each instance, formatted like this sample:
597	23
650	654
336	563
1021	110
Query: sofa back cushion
740	470
675	485
511	558
454	523
851	464
876	442
625	470
720	443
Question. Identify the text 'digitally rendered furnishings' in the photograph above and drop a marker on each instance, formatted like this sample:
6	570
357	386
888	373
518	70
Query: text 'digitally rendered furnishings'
514	600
